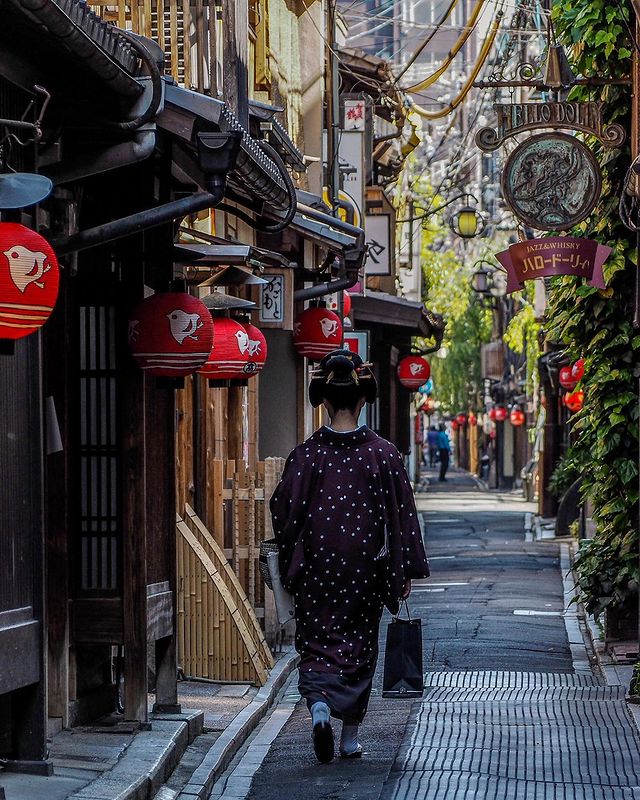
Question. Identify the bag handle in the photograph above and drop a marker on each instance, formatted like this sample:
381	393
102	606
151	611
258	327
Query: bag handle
406	605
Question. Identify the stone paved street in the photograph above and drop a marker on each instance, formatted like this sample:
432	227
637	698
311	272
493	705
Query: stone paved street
506	713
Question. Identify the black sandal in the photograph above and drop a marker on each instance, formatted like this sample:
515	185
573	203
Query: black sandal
323	742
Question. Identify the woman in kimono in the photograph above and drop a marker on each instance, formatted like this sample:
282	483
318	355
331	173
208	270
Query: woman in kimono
349	543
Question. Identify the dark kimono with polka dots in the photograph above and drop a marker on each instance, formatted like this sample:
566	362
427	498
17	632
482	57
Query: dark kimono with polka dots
329	513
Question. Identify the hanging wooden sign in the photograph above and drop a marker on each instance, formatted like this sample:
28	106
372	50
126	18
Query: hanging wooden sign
557	255
514	118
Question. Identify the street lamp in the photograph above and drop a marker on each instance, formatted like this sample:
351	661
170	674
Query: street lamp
488	280
467	222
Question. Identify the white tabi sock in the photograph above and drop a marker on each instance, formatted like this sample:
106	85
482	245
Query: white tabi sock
349	739
320	713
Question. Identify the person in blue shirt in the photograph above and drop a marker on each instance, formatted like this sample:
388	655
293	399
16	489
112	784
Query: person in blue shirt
444	447
432	442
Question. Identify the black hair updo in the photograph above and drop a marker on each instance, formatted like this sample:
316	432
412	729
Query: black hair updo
342	379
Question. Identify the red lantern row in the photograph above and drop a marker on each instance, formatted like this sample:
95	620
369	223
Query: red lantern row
29	280
173	335
413	371
569	376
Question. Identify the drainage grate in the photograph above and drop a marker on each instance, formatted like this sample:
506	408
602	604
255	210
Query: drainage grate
508	680
509	735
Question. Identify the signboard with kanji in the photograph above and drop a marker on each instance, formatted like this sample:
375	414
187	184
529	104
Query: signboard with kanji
556	255
275	299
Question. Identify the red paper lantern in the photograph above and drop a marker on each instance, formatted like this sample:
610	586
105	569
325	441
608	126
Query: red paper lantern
455	425
413	371
170	334
317	331
473	420
574	401
461	419
256	346
577	370
501	414
229	356
346	303
565	376
492	414
517	417
29	280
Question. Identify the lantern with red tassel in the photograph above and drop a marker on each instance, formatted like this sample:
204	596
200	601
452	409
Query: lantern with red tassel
517	417
577	370
170	334
473	420
29	280
317	331
229	355
256	345
461	418
574	401
455	424
501	413
566	379
492	414
413	371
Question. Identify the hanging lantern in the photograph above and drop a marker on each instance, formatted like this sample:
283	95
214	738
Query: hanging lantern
256	347
577	370
429	406
413	371
229	357
473	420
461	419
517	417
501	413
467	222
566	379
492	414
317	331
29	280
346	303
170	334
455	425
574	401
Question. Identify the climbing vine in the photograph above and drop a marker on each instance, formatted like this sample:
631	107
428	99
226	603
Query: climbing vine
597	325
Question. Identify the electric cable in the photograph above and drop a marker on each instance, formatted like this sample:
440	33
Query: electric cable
482	57
460	43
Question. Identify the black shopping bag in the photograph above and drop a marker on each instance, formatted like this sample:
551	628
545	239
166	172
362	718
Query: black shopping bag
403	659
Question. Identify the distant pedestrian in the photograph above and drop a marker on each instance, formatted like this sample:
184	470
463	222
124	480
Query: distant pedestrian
432	441
346	524
444	448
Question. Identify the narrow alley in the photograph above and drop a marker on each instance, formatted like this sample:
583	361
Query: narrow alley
511	709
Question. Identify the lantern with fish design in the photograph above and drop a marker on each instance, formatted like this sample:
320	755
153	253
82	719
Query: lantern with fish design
170	334
317	332
256	347
413	371
29	280
229	355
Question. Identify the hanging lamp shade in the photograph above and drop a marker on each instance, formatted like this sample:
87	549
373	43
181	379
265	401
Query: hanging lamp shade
413	371
316	333
455	424
29	280
517	417
461	418
566	379
256	346
574	401
492	414
501	414
473	420
346	303
170	334
229	357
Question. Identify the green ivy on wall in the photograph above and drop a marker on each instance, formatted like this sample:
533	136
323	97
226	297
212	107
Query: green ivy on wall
597	325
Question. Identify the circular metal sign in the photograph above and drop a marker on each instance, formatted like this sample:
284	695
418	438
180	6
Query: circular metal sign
552	181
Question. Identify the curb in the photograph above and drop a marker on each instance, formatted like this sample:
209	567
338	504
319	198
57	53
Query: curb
231	740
